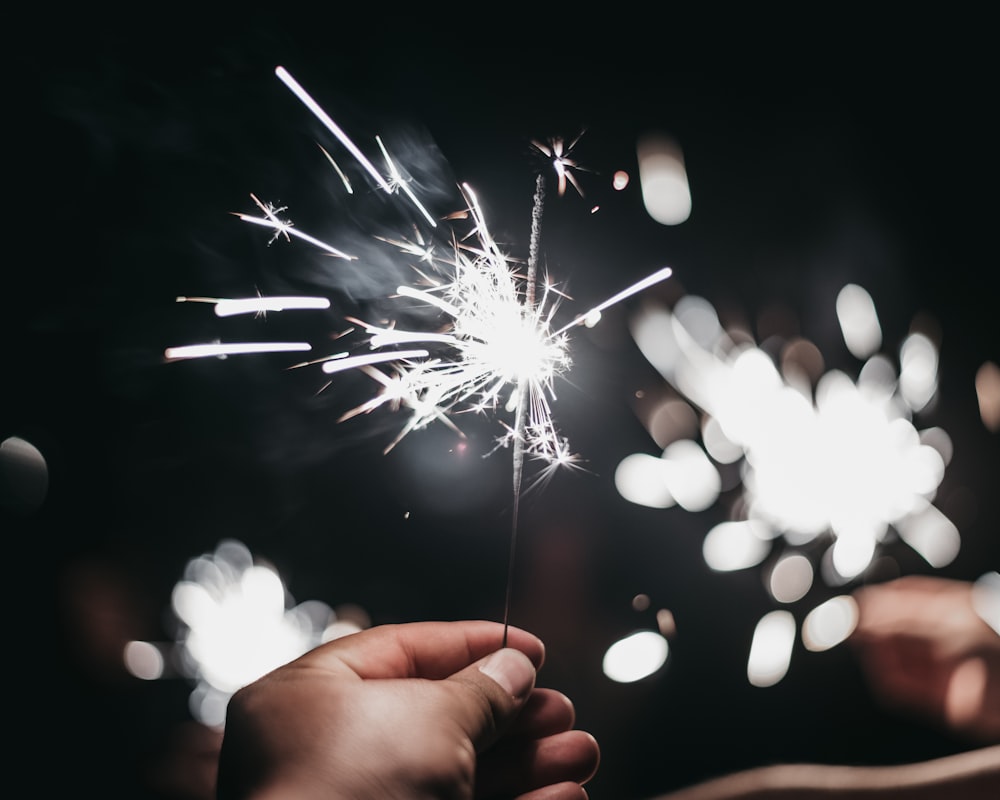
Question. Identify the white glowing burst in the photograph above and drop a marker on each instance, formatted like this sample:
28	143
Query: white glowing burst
826	461
493	343
237	622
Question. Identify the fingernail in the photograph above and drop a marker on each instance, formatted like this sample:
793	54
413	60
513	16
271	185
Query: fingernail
510	668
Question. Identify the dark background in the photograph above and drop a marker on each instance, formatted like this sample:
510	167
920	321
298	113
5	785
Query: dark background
819	152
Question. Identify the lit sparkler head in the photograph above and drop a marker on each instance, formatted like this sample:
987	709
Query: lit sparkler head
491	343
497	347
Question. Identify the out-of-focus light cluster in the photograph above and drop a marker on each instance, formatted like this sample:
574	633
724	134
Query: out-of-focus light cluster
831	468
236	622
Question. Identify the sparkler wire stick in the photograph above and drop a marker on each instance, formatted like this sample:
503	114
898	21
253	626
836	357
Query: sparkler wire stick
522	392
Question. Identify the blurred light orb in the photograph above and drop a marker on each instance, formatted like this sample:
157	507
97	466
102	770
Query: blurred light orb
858	319
771	648
635	657
208	706
918	376
830	623
802	358
930	533
24	475
641	479
663	178
671	420
144	660
691	478
620	180
791	578
735	545
719	446
666	623
851	554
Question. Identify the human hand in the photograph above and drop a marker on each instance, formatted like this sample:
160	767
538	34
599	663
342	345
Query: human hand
926	651
407	712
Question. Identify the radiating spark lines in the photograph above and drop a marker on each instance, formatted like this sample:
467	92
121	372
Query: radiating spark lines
496	342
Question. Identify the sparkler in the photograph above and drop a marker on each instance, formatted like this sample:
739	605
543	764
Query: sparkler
498	347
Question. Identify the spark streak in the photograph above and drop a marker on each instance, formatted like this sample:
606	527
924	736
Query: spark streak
204	350
229	307
282	228
331	126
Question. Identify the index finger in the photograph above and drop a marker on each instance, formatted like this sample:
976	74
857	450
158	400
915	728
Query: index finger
431	650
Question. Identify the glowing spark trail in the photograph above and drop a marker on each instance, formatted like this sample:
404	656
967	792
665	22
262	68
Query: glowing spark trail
227	307
497	347
332	126
203	350
284	228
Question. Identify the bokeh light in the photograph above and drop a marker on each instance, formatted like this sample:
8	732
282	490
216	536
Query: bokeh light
236	622
771	648
663	179
635	656
24	475
832	468
830	623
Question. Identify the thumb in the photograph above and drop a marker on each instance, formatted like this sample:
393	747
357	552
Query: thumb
500	683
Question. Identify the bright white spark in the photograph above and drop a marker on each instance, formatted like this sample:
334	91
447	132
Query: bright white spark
229	307
238	348
343	362
397	181
494	341
340	173
284	228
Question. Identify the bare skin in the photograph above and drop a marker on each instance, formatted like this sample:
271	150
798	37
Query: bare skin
927	653
416	711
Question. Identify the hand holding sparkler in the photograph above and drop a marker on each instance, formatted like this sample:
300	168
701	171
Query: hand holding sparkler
422	710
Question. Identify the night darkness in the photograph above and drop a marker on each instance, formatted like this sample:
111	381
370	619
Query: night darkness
861	155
